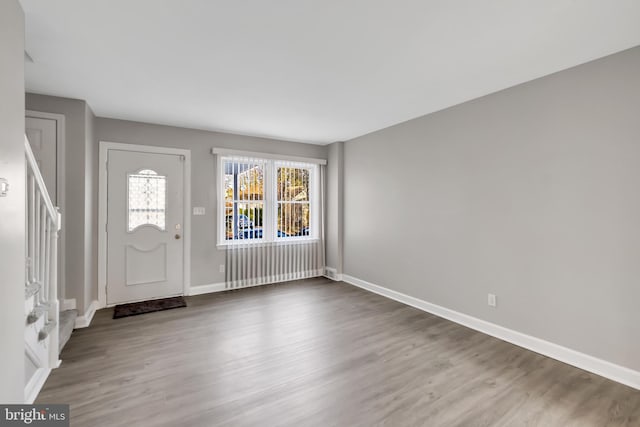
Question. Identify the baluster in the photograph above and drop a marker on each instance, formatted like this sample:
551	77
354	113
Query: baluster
53	262
36	234
31	228
39	244
47	261
42	255
27	254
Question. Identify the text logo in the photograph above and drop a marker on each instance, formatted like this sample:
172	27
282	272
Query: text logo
34	415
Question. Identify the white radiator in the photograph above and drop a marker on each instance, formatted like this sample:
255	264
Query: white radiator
251	264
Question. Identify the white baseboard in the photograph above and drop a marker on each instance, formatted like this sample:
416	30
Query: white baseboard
332	273
85	320
261	281
68	304
575	358
35	384
207	289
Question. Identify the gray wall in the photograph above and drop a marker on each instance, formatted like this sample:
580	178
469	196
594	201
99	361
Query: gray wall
334	206
78	144
531	193
12	226
205	257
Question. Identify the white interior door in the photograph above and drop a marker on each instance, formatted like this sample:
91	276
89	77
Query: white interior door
42	135
145	209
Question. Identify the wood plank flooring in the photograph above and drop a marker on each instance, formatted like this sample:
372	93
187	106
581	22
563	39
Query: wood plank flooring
318	353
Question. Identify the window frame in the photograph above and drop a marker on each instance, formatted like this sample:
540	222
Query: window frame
270	202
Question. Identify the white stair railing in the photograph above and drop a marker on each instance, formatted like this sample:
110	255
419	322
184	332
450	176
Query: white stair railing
43	224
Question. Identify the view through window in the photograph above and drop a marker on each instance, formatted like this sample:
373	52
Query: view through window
267	200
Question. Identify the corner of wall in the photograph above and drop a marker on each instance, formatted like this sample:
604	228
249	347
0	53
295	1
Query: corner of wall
334	206
90	211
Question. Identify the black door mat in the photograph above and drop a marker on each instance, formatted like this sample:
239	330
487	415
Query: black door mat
136	308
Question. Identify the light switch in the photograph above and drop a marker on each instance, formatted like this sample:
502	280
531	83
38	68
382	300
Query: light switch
4	187
198	210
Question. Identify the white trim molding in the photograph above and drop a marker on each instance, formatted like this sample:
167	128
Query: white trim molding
253	154
105	146
85	320
207	289
35	384
68	304
332	273
575	358
264	244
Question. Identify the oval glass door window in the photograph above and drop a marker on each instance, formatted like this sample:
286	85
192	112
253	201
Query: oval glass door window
146	199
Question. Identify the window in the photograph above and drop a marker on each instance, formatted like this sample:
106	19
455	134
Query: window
146	199
265	200
244	199
293	200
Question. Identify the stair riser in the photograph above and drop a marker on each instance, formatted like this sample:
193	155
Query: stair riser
38	312
39	349
67	323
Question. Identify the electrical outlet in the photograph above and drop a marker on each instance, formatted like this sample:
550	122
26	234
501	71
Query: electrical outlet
492	300
221	268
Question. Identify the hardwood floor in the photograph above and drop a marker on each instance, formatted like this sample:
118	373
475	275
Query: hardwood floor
318	353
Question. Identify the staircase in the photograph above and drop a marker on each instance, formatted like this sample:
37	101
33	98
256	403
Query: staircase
42	317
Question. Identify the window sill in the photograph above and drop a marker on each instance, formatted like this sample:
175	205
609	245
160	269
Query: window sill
259	244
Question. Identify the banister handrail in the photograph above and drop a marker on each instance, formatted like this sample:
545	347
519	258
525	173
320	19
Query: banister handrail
31	160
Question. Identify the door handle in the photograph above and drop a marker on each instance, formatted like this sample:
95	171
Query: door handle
177	237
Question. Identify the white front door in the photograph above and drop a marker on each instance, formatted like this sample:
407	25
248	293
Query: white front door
145	210
42	135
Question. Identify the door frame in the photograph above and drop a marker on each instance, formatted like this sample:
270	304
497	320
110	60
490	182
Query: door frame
105	146
60	191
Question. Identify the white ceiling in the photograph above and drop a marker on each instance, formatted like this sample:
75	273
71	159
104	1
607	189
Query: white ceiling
314	71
